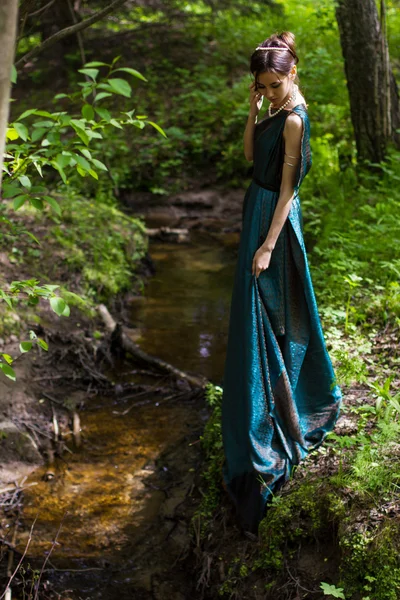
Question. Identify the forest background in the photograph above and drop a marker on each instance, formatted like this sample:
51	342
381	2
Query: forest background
194	57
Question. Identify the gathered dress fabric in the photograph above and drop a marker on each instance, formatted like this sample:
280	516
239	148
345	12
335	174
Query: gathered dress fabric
280	397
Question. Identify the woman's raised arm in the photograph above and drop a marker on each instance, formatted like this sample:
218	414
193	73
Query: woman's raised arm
256	100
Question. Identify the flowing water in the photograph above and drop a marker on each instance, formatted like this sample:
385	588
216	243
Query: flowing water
105	487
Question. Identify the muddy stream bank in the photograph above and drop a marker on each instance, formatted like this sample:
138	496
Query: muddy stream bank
121	494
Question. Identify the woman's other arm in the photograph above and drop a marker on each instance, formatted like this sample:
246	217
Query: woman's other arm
292	134
256	101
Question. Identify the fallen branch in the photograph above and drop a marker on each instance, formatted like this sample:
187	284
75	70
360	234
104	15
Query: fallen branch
18	488
129	346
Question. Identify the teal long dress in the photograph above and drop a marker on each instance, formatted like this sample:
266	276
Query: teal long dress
280	397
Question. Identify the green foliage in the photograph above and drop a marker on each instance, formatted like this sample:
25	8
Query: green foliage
332	590
41	143
6	360
211	442
98	242
63	140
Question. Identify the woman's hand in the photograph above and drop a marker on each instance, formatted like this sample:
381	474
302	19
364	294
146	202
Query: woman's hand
256	100
261	261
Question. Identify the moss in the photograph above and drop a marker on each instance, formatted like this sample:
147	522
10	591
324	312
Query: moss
101	242
211	442
371	562
303	513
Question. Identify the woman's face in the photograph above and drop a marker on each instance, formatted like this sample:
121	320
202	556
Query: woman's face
275	86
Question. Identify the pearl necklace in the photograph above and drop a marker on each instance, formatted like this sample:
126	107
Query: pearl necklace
292	97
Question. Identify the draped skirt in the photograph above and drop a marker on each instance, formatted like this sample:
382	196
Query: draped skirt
280	397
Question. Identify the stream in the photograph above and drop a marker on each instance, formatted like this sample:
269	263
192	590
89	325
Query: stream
109	489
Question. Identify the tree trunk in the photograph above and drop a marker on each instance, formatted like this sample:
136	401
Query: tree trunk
8	29
374	99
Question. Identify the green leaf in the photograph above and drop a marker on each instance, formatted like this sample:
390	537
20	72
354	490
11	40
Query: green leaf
26	113
25	181
66	312
115	123
45	113
99	164
92	73
103	113
37	134
58	305
10	190
62	160
131	72
54	204
78	124
50	287
60	170
82	162
44	345
39	168
22	131
33	237
94	134
8	371
88	112
20	201
101	95
25	346
59	96
115	59
93	174
120	86
13	74
12	134
36	203
9	359
332	590
157	127
43	124
85	153
65	119
81	171
83	135
96	63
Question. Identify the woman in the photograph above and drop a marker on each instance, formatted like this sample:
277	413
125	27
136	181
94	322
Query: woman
280	397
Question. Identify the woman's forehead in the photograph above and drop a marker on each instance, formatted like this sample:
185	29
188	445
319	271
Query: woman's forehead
267	78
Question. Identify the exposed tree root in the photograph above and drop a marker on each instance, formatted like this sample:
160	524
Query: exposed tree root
122	338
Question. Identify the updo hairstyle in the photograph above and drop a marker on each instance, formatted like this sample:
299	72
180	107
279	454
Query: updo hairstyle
271	61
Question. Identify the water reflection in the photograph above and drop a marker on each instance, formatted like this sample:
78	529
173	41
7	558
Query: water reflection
184	314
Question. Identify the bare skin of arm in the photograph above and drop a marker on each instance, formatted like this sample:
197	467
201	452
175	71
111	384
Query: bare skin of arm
292	136
248	138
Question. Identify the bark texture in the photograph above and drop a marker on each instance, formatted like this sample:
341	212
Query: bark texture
8	28
374	99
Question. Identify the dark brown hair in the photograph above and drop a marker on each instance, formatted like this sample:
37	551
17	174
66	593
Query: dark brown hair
262	61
